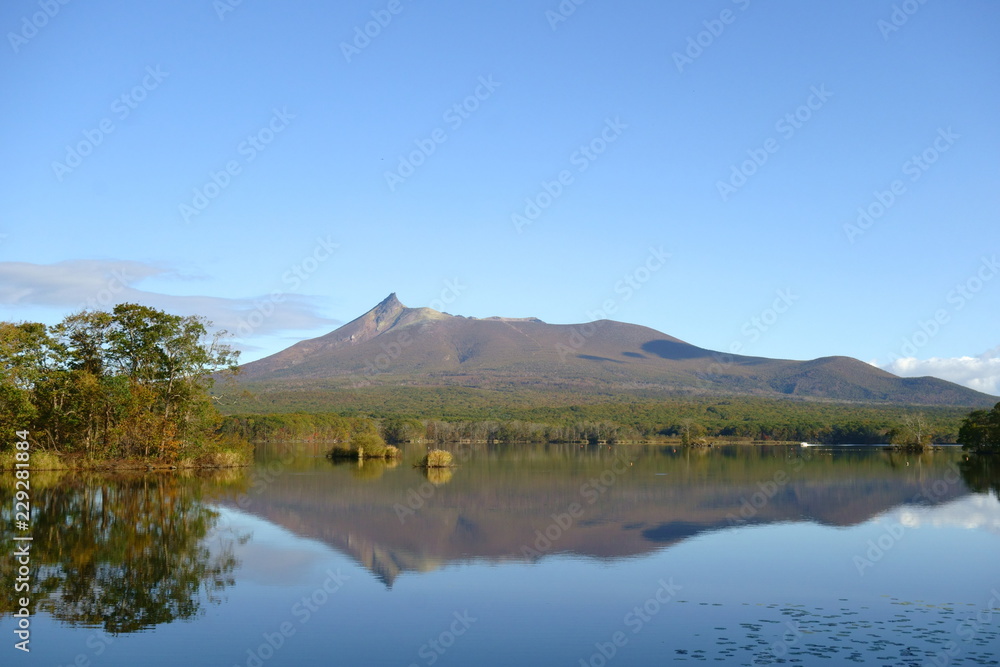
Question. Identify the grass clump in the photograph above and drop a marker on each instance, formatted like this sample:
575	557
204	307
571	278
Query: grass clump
436	458
364	446
38	460
224	459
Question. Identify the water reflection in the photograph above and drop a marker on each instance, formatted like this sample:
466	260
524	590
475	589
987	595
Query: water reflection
525	503
128	552
981	473
120	552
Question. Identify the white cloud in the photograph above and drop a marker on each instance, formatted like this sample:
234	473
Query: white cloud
976	511
72	283
101	284
981	373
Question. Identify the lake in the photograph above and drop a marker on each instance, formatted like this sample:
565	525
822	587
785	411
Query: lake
521	555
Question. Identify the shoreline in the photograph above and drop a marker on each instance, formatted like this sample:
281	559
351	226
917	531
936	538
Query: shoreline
53	462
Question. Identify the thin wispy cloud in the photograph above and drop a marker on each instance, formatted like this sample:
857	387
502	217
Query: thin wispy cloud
101	284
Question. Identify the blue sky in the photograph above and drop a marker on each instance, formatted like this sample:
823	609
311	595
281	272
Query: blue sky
697	168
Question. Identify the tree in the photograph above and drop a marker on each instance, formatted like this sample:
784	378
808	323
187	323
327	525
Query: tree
690	431
915	433
25	351
980	431
132	382
396	430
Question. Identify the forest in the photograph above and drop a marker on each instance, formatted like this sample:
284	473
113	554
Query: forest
687	420
530	414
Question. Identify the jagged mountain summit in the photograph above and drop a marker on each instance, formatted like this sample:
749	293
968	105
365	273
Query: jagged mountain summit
395	345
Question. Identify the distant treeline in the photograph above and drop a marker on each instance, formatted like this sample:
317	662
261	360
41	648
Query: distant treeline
304	427
516	413
596	424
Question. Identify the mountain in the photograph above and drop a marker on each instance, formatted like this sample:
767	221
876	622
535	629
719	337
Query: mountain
421	347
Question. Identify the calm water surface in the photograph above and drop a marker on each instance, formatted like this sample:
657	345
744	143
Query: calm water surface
521	555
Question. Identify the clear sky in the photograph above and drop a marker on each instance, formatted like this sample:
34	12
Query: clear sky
794	179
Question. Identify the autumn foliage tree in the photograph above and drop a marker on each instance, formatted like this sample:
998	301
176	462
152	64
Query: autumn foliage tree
127	383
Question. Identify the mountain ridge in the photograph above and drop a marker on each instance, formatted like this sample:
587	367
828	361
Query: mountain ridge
396	345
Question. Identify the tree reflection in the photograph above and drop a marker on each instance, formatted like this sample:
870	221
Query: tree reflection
120	552
981	473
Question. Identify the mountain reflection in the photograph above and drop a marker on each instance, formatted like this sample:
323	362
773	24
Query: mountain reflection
120	552
526	502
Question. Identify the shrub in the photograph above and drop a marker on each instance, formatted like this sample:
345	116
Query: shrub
436	458
364	446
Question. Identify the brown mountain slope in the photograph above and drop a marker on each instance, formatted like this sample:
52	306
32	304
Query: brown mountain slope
395	345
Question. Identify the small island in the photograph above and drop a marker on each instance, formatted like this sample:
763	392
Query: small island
436	458
364	446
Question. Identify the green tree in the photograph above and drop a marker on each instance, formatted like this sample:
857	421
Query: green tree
25	358
132	382
980	431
